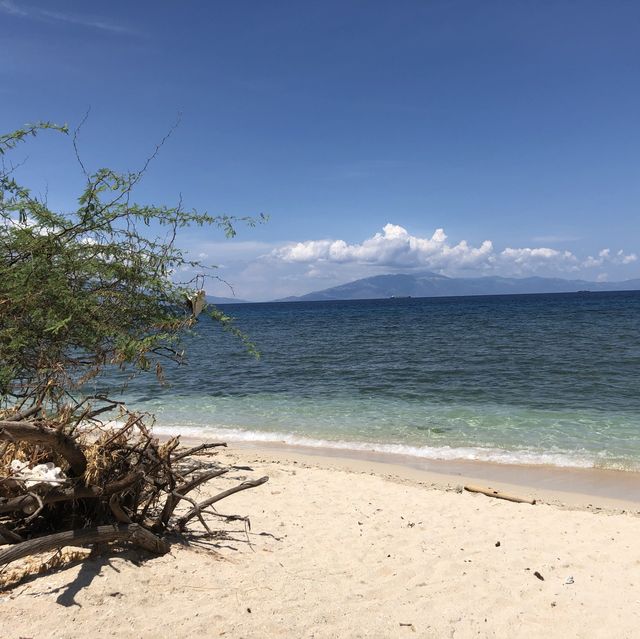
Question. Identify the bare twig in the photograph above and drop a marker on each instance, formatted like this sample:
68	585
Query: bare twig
182	522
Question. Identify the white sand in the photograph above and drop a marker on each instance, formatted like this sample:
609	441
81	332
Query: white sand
353	554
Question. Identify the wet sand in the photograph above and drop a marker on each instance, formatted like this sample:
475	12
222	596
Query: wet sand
576	487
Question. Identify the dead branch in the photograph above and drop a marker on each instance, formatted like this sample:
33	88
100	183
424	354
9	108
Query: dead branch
28	502
118	512
196	449
9	535
182	522
124	483
179	493
17	417
121	484
100	534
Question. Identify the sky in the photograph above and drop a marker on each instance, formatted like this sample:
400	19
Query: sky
462	137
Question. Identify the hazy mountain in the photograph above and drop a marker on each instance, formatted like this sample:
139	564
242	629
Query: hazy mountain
212	299
428	284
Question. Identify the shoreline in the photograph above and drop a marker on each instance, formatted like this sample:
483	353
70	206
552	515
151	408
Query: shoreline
442	452
583	488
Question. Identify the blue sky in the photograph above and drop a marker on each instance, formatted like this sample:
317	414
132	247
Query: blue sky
360	128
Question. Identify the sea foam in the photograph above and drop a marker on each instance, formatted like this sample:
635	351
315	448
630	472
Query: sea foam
443	453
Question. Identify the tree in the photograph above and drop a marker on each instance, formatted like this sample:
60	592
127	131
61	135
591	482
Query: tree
92	287
80	291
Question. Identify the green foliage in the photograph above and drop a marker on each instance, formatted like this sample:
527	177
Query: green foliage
82	290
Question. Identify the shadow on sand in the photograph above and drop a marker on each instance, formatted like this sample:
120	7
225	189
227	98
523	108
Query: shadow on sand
100	559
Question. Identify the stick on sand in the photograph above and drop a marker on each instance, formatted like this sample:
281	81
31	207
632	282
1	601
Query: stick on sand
498	495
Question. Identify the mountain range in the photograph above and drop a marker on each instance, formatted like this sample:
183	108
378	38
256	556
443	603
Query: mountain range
427	284
212	299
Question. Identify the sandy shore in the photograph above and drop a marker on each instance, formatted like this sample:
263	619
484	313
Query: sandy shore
362	548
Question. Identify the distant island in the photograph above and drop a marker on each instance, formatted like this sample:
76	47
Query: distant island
212	299
428	284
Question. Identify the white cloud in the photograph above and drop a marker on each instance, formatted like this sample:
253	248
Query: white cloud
396	248
28	222
605	256
523	260
627	259
34	13
12	9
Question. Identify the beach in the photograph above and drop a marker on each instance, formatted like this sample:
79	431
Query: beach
349	547
329	328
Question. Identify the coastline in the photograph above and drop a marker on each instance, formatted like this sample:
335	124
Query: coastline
586	488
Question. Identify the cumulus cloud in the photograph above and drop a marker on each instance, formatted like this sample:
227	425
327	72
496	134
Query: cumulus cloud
396	248
533	259
605	256
27	222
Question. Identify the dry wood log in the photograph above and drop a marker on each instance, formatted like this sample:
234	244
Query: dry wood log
24	414
499	495
28	503
100	534
182	522
9	536
45	436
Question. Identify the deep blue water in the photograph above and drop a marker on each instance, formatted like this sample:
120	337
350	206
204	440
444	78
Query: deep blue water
537	378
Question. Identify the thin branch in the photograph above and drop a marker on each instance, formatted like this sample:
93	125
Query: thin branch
75	141
196	449
182	522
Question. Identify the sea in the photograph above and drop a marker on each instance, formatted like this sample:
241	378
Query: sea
513	379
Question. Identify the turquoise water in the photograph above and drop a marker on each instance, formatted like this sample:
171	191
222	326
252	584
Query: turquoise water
536	378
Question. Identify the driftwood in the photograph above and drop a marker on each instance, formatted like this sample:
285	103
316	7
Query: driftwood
119	485
499	495
100	534
16	417
9	536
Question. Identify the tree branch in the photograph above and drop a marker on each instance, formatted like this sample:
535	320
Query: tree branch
182	522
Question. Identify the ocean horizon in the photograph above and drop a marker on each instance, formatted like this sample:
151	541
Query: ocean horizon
515	379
